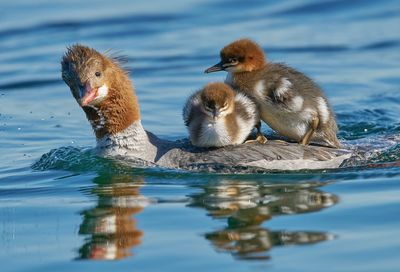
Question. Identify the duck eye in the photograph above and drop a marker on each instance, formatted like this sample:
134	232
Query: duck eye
232	60
98	74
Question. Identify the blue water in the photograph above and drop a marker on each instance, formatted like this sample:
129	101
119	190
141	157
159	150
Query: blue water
77	213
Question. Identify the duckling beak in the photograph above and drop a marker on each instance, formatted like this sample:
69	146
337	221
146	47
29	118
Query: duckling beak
87	93
217	67
216	114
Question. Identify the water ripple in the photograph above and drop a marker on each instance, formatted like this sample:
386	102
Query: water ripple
27	84
133	19
319	7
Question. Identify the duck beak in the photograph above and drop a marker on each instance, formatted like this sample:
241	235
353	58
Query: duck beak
217	67
87	93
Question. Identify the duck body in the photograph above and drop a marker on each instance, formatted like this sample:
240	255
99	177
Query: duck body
105	93
219	126
243	158
288	100
252	157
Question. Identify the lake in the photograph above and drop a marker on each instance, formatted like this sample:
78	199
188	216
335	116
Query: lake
83	213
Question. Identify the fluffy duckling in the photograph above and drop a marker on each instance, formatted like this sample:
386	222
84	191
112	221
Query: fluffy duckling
289	102
218	116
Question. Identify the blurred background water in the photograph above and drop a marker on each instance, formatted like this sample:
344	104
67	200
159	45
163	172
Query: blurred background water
63	215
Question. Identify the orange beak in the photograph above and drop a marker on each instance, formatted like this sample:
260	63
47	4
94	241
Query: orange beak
88	94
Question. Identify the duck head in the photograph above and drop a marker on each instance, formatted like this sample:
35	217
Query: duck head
101	87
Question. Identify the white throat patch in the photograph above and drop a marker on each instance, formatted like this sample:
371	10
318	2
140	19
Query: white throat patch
101	94
103	91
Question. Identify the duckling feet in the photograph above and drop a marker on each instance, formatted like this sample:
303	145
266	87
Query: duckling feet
259	135
261	138
250	141
307	137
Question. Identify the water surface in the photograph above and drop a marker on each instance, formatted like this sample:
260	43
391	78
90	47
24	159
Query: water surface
84	213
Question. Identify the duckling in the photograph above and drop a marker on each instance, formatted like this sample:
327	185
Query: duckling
108	98
289	102
217	116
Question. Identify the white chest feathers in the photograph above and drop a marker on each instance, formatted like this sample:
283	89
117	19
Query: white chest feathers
212	134
131	142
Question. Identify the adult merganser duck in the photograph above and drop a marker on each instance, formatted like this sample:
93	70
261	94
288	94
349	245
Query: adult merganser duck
103	89
218	116
289	101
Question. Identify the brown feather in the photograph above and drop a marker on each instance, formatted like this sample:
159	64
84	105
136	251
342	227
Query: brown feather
120	108
250	55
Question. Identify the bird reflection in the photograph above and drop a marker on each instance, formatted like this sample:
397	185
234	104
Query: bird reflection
110	226
111	232
246	205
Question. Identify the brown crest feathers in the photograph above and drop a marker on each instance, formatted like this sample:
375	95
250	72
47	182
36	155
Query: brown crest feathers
249	54
217	92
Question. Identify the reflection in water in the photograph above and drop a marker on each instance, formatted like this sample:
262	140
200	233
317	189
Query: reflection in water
111	230
110	225
246	205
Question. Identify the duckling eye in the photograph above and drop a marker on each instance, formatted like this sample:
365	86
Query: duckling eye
232	60
208	107
98	74
224	107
